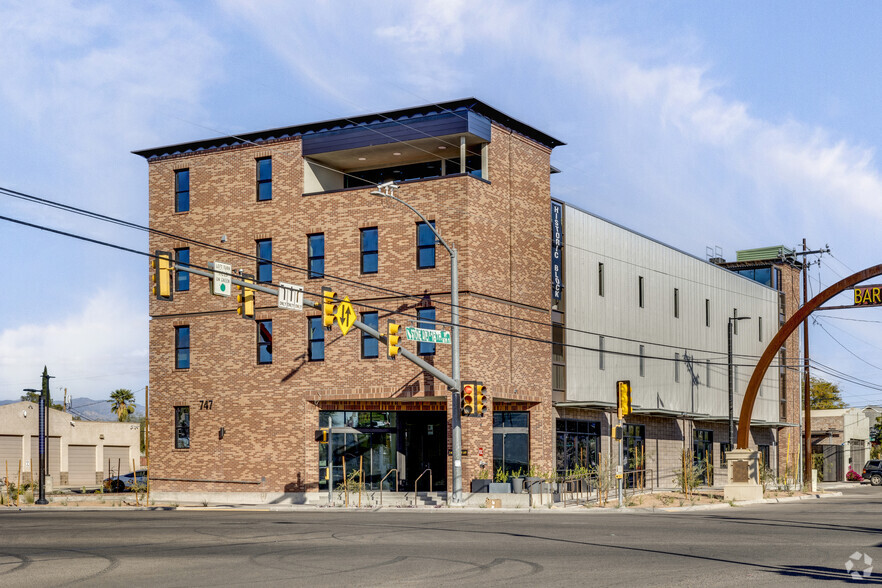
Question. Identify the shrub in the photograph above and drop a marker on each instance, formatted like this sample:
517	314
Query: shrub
853	476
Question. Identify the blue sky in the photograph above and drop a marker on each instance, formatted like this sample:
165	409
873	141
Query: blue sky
736	125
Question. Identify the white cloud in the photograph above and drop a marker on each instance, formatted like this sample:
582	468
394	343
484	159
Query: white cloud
99	348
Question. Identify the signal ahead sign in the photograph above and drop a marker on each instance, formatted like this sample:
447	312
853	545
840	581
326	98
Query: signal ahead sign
221	281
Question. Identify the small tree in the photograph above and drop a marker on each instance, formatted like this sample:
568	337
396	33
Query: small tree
825	395
122	403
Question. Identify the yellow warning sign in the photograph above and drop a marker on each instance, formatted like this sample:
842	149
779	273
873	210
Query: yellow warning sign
345	315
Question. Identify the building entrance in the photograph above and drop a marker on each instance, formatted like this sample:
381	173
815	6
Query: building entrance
408	441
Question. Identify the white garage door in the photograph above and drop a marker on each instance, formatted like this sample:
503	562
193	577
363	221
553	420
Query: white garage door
116	456
81	465
10	454
53	444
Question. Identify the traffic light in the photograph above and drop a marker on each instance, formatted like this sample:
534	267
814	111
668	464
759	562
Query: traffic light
624	397
481	400
162	275
246	298
392	339
329	307
468	399
321	435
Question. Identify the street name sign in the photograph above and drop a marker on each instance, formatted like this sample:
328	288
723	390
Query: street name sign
427	335
290	296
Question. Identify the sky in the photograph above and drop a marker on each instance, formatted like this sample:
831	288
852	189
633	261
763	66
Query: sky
701	124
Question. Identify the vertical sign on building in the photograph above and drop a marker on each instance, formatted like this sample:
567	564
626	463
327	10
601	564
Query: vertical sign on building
556	250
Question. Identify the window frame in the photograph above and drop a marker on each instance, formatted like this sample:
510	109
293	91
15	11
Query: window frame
264	345
262	181
707	312
600	279
640	291
310	258
264	263
676	303
365	252
179	330
367	339
426	323
182	279
180	427
426	247
310	341
182	196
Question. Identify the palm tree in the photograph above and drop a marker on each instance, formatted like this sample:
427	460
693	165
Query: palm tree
123	403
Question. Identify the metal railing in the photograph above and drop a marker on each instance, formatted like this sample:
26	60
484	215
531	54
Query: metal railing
384	479
416	482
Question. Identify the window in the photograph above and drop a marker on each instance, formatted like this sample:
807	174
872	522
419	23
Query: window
707	372
558	356
182	279
765	458
578	445
370	347
182	190
264	342
601	343
182	427
760	324
369	253
642	361
425	320
634	453
600	279
511	441
316	339
676	303
725	448
677	367
264	179
425	246
182	348
640	291
316	255
707	312
703	454
265	260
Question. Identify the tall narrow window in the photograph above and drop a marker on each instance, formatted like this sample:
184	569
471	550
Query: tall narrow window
316	255
601	344
707	381
182	427
182	190
600	279
677	367
760	328
370	347
642	361
676	303
182	347
425	246
707	312
316	336
182	279
264	342
425	320
369	251
265	260
640	291
264	179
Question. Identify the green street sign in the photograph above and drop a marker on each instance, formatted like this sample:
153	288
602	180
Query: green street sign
427	335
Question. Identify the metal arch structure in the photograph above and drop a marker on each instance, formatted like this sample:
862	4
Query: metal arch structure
777	341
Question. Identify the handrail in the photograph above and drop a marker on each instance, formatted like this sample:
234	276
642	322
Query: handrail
416	482
384	479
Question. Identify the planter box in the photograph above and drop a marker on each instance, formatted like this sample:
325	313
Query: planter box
533	485
500	488
480	485
517	485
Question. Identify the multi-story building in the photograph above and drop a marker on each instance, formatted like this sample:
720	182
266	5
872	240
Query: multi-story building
556	305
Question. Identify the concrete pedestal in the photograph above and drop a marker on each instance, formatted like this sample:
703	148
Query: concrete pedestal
743	476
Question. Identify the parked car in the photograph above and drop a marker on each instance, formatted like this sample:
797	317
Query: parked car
873	472
124	483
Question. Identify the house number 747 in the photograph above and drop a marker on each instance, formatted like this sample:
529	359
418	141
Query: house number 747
205	404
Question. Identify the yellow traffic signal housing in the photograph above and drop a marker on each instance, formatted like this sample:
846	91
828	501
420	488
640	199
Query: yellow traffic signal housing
392	339
246	298
481	401
468	398
329	307
321	435
624	397
162	275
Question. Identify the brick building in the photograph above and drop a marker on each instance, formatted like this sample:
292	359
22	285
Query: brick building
235	403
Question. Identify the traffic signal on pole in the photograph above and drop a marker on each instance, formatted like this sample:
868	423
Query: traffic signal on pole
624	397
329	307
246	298
468	398
162	275
321	435
392	339
481	400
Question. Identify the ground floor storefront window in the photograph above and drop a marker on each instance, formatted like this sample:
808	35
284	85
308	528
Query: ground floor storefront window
511	441
703	455
634	450
380	442
578	444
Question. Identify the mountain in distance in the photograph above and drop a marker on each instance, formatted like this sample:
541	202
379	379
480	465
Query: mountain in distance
90	409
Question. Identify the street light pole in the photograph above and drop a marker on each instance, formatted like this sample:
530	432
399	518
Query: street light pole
387	190
732	320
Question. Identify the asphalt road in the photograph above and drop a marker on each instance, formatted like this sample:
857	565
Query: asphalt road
791	544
